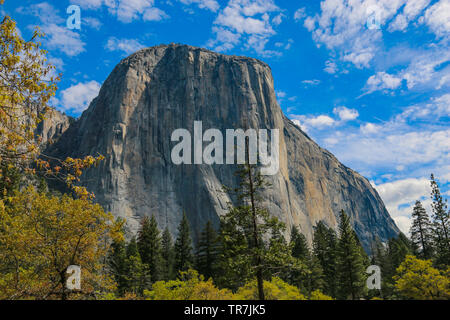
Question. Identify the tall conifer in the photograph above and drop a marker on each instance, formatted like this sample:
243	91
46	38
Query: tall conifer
421	231
350	264
149	245
184	258
440	225
167	255
207	251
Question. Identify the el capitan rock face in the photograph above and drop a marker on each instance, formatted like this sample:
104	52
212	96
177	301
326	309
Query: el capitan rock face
160	89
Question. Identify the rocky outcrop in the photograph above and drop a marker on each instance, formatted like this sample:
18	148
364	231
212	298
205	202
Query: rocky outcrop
160	89
52	127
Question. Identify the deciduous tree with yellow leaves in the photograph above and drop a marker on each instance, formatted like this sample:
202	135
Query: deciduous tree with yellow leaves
189	286
40	236
417	279
27	83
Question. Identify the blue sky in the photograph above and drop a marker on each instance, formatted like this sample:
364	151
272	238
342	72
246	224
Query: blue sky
368	80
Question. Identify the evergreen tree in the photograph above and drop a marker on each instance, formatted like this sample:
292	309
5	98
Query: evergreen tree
350	264
325	250
136	273
149	245
167	254
391	257
184	258
299	244
310	278
253	245
421	232
380	258
440	225
117	265
207	251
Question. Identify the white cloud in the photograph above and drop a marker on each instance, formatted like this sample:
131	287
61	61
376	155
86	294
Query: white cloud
234	16
346	114
413	143
306	123
310	23
92	22
410	12
63	39
211	5
154	14
320	122
384	150
129	10
399	197
127	46
437	18
299	14
427	69
57	37
280	94
77	97
278	19
46	13
246	21
370	128
437	108
381	81
88	4
313	82
341	27
330	67
404	191
286	46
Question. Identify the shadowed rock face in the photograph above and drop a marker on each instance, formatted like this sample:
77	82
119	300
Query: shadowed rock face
160	89
52	127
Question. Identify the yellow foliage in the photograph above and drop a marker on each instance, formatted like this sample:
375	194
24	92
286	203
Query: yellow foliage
26	86
276	289
318	295
417	279
190	286
27	83
41	236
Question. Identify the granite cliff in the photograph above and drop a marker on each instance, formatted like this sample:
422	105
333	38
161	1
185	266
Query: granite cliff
159	89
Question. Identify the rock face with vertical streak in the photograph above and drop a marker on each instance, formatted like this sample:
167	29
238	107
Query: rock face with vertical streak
159	89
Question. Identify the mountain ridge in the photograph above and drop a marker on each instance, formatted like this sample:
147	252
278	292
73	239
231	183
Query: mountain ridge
159	89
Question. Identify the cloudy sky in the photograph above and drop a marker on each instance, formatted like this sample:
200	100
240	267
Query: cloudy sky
368	80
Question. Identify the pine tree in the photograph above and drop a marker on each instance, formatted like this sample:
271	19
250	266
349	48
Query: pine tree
207	251
149	245
253	245
325	250
440	225
167	254
310	278
136	273
299	244
184	258
421	231
350	264
117	264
